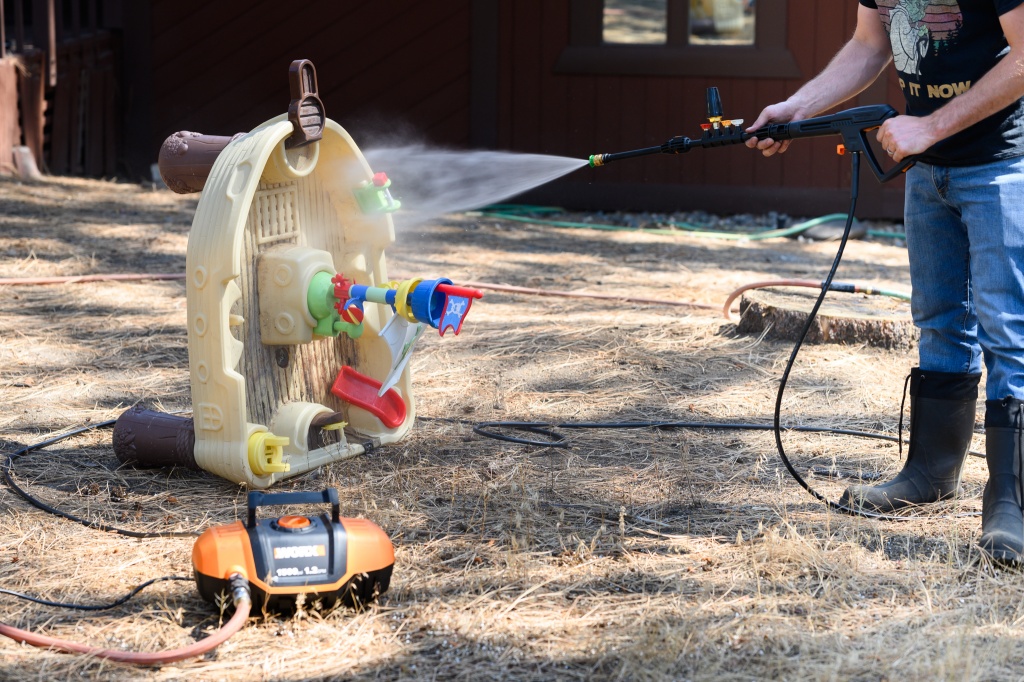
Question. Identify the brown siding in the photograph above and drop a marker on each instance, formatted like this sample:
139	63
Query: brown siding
421	68
221	67
575	115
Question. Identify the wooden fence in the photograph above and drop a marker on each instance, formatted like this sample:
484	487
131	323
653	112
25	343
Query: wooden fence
62	68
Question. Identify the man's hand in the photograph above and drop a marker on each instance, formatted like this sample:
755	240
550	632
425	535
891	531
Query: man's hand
903	136
783	112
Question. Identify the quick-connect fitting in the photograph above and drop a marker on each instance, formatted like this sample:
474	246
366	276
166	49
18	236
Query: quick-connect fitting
240	592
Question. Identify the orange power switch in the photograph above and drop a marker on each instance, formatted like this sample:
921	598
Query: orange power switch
293	522
840	149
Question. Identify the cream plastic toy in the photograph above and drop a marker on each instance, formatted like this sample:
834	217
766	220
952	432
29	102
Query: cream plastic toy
284	209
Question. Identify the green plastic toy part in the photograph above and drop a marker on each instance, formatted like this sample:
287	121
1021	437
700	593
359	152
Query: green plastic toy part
320	299
374	195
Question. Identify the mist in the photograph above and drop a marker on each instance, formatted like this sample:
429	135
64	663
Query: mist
431	182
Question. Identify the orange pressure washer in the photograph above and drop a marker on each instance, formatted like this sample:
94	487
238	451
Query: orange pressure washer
323	557
275	560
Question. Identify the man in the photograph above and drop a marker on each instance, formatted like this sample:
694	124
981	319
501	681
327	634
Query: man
961	69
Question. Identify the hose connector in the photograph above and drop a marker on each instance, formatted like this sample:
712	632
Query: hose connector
240	593
596	160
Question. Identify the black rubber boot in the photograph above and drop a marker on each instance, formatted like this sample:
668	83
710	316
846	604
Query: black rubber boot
942	408
1002	521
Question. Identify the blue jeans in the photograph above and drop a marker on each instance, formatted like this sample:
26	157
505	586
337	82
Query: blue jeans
965	237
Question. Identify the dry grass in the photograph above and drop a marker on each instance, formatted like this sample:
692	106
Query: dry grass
634	554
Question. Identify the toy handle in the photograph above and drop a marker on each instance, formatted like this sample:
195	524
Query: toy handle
306	110
261	499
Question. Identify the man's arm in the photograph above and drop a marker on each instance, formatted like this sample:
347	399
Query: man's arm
852	69
999	88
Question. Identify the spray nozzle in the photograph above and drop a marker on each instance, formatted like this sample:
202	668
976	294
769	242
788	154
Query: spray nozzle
714	101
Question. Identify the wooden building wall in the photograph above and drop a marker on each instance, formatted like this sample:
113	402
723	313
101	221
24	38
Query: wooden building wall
389	69
541	110
484	73
63	101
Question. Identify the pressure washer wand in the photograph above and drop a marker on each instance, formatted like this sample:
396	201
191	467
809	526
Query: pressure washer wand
852	124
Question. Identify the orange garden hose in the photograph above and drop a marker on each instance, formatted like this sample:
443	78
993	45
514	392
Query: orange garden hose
240	589
507	288
579	294
810	283
75	279
768	283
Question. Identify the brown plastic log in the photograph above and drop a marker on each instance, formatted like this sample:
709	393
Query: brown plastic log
147	439
186	159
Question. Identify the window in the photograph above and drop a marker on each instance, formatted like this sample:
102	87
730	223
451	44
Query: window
740	38
643	22
721	22
709	22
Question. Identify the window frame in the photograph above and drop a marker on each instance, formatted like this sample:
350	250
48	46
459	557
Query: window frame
587	53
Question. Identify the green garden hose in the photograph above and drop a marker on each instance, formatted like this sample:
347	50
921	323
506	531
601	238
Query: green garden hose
527	214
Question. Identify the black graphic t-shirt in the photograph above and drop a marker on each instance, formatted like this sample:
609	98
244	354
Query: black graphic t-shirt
940	49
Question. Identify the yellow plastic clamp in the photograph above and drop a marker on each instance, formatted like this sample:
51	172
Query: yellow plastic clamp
266	453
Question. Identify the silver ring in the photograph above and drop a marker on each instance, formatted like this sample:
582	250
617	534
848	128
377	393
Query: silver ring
889	152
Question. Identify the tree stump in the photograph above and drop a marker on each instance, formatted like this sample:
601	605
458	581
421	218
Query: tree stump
781	313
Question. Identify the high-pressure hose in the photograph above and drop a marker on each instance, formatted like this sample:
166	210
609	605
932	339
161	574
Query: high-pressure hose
240	597
777	418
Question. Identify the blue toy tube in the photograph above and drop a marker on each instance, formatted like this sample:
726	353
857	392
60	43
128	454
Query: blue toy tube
427	303
361	292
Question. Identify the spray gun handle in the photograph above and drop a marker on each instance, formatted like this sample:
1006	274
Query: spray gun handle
852	124
855	132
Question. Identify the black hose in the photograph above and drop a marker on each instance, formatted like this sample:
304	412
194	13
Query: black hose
7	471
94	607
486	429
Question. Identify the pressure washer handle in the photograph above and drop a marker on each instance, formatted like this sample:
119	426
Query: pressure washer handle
260	499
852	124
894	172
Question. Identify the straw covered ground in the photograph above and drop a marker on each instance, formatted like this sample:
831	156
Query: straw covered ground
633	554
